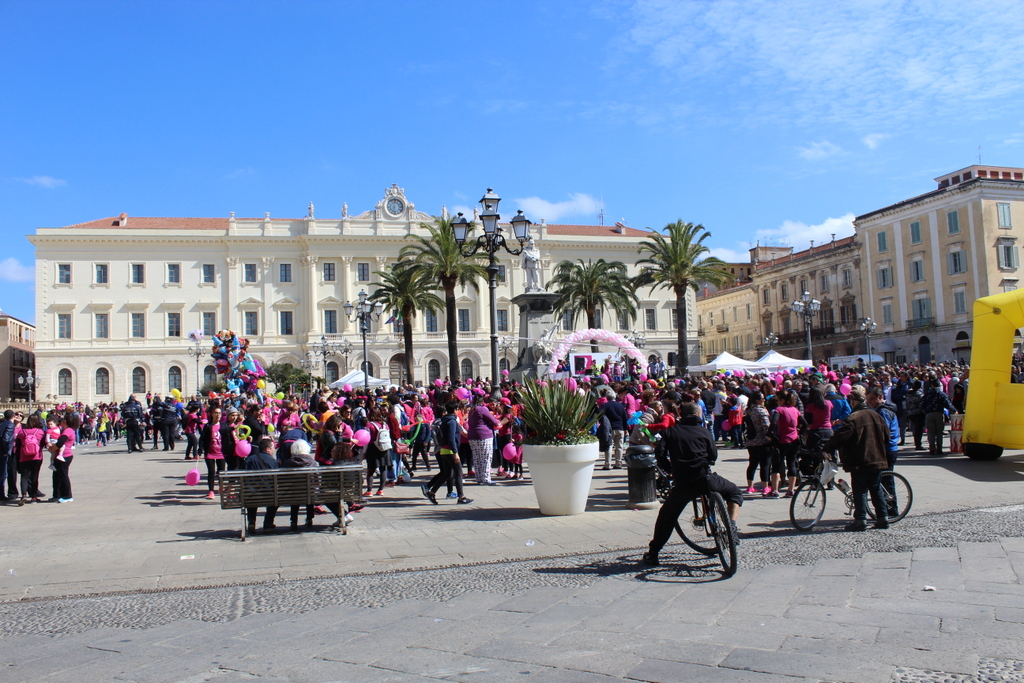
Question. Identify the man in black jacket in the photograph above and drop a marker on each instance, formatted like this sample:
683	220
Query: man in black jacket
262	459
692	451
7	474
133	416
616	414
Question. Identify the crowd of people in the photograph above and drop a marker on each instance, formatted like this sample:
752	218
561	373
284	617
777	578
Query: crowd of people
471	432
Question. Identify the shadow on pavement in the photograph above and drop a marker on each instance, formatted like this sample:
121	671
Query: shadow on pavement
1004	469
676	567
205	535
183	497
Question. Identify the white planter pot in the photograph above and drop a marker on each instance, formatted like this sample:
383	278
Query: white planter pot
561	476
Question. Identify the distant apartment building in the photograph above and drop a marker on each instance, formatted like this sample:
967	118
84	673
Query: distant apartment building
926	259
728	320
17	357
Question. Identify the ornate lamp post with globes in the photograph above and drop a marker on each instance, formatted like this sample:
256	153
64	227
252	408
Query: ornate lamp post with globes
196	351
490	242
364	312
31	381
771	339
868	327
808	307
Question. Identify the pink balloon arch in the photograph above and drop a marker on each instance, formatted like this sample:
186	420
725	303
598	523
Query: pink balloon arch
606	336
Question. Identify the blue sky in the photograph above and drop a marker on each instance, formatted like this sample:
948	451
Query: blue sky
777	121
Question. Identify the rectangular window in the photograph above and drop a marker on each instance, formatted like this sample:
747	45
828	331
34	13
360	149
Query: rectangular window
784	293
847	277
174	324
960	302
598	319
209	323
711	318
102	326
102	274
501	273
174	273
957	262
824	283
1008	259
623	320
916	270
651	318
803	286
209	273
922	308
1004	215
431	319
64	273
502	320
915	232
328	272
138	273
675	319
286	322
463	320
284	272
567	323
330	322
252	323
363	272
748	312
735	314
63	326
766	296
953	222
138	325
884	277
883	242
786	324
248	272
887	314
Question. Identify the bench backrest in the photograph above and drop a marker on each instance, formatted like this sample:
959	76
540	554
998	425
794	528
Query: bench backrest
301	486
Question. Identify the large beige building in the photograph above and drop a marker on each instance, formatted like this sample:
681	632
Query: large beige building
926	260
17	358
117	297
728	320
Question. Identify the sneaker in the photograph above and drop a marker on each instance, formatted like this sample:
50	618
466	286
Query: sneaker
465	501
425	490
472	474
452	494
772	494
66	500
735	531
606	468
349	519
430	496
650	559
789	494
209	496
858	525
880	525
751	490
380	492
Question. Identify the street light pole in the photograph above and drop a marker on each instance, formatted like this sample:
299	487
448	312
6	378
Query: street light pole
807	306
364	312
868	328
326	349
30	380
196	351
771	339
490	242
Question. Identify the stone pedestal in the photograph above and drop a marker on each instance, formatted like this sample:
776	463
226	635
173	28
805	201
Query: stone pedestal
536	319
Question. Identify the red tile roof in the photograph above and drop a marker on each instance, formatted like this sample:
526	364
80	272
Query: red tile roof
595	231
150	223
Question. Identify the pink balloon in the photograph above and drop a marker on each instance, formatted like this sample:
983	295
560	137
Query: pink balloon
243	448
347	387
504	373
543	384
509	451
361	437
643	378
844	389
438	382
604	378
193	477
462	393
571	384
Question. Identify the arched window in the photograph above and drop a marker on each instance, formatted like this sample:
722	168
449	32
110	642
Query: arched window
367	366
433	370
396	369
466	368
138	380
503	365
174	378
332	373
102	381
209	375
64	382
924	350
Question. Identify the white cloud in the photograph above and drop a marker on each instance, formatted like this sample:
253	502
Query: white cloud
820	150
46	181
579	208
859	62
11	270
873	140
795	234
239	172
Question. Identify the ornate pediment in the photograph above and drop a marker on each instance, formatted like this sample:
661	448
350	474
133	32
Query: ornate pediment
250	303
286	302
329	301
847	299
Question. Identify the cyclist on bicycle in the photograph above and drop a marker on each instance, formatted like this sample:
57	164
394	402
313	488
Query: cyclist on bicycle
692	452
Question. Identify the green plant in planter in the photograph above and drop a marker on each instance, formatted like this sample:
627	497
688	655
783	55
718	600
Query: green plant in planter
554	414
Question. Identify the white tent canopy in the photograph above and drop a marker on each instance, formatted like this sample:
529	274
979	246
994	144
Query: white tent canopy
726	361
773	360
355	378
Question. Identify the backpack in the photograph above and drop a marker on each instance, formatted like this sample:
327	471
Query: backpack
359	418
383	440
30	444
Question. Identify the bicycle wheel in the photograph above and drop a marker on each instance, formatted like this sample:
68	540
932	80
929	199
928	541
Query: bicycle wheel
896	494
725	541
701	537
807	505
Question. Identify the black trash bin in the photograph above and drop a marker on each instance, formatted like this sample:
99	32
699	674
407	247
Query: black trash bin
641	467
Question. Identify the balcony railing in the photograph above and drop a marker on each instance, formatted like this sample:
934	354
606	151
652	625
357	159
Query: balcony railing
816	333
916	323
722	328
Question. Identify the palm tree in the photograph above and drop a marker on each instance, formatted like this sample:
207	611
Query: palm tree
438	258
404	290
591	286
678	260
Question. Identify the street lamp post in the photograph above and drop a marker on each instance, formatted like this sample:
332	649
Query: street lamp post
807	306
326	349
506	343
309	364
638	339
364	312
32	382
771	339
196	351
490	242
868	328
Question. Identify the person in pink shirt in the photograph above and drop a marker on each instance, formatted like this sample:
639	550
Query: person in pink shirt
787	421
30	441
63	452
213	444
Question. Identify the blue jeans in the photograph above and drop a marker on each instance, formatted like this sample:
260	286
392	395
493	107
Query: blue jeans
864	484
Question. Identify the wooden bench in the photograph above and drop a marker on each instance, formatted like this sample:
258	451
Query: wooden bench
241	489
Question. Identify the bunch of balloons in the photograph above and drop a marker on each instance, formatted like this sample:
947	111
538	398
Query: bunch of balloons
231	358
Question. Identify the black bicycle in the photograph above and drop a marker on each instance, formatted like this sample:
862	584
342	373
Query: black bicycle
708	524
818	471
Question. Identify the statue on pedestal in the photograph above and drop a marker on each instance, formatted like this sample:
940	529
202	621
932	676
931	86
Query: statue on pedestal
531	266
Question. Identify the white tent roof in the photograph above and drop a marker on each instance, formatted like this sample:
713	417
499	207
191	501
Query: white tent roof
726	361
355	378
774	360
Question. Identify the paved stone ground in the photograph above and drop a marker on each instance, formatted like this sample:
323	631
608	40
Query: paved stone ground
507	594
